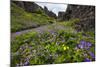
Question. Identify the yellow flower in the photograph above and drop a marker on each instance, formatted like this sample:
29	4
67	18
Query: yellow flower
65	48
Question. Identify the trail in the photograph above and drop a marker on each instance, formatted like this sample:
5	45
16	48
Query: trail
38	29
50	28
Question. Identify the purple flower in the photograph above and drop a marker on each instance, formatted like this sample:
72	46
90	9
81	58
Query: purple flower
26	63
89	44
17	32
87	60
92	54
84	44
81	46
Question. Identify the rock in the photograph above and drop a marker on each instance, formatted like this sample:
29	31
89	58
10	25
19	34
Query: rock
28	6
49	13
33	7
19	3
85	13
60	16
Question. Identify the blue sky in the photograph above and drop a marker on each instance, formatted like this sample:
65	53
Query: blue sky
54	7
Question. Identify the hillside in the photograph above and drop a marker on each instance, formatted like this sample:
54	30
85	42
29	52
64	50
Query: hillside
22	19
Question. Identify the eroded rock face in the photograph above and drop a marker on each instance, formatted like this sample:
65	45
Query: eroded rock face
81	11
60	15
49	13
19	3
85	13
28	6
33	7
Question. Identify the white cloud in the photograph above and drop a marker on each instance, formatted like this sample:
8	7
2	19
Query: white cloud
54	7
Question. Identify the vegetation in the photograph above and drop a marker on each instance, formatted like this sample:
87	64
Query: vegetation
20	19
59	42
60	46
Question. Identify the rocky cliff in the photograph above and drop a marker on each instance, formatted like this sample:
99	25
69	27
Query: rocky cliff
28	6
60	15
49	13
33	7
85	13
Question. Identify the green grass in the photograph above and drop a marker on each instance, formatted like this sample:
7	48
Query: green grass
20	19
52	47
70	23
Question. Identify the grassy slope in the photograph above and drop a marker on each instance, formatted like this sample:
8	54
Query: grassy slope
21	19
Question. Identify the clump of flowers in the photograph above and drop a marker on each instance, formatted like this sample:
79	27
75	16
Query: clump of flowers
85	46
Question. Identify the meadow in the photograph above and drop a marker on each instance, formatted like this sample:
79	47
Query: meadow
57	42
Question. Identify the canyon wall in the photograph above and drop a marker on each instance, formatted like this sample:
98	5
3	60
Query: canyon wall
85	13
33	7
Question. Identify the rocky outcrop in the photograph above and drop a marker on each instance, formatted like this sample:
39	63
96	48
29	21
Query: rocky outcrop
33	7
19	3
28	6
82	12
49	13
85	13
60	15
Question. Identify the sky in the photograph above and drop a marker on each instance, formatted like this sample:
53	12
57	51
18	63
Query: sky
54	7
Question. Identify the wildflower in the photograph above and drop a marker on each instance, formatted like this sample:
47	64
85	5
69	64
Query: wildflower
26	63
89	44
65	48
82	42
92	54
85	45
81	46
17	32
87	60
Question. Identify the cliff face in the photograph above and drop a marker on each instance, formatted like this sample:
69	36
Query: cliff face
33	7
86	14
49	13
28	6
81	11
60	15
78	11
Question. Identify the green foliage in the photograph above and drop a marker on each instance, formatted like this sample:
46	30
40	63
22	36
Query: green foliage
71	22
16	59
20	19
48	48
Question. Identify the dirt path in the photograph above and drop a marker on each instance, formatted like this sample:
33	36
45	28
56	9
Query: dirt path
38	29
50	28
